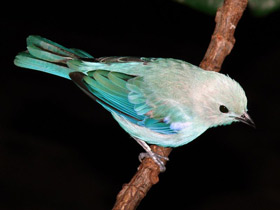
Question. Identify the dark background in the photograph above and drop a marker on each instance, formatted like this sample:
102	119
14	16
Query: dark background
61	150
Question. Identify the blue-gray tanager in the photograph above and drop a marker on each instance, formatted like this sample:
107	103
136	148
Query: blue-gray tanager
162	101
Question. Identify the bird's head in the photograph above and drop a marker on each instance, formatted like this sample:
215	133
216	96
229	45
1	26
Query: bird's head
222	101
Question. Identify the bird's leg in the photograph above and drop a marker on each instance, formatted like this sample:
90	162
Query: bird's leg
149	153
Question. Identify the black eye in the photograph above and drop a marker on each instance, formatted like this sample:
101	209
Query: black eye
223	109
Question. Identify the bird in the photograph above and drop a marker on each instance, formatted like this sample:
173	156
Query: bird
160	101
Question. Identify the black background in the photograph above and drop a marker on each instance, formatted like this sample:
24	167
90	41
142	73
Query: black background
61	150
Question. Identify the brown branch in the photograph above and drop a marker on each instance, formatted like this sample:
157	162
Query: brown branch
222	40
221	44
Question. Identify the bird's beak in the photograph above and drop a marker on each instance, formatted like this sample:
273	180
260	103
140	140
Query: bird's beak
245	118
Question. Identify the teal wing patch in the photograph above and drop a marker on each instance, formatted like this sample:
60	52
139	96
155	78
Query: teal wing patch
114	92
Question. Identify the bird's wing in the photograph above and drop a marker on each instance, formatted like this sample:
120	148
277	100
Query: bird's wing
162	108
124	94
125	64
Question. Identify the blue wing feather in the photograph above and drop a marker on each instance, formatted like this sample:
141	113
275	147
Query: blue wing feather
111	92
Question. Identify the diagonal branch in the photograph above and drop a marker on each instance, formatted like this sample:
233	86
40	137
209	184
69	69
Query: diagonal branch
223	40
221	44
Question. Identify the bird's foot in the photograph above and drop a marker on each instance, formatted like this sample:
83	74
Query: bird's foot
149	153
156	157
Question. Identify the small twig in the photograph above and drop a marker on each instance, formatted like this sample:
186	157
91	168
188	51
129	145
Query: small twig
220	46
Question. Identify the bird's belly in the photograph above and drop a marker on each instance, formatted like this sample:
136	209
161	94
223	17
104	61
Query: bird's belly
166	140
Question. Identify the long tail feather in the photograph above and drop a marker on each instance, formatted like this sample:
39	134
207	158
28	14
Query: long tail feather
47	56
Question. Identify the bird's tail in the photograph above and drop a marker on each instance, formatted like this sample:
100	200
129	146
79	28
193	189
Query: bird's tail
47	56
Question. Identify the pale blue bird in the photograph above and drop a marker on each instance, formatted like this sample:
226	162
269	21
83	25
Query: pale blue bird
162	101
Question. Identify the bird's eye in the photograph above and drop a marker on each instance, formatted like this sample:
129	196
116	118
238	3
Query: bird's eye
223	109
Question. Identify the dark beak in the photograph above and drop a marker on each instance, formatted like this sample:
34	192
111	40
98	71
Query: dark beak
245	118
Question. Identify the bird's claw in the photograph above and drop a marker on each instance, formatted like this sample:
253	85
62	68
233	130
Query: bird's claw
156	157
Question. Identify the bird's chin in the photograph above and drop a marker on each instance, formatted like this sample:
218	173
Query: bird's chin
228	122
224	123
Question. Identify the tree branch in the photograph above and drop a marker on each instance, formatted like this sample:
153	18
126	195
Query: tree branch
223	40
220	46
